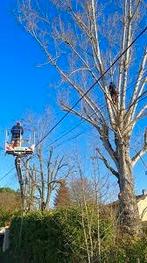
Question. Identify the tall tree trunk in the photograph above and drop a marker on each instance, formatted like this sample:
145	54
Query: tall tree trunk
128	208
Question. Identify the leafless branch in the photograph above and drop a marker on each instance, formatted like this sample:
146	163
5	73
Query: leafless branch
140	153
101	156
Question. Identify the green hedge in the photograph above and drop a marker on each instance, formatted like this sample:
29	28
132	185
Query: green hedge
54	236
126	251
6	216
58	237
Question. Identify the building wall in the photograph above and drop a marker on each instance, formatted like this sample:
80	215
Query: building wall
142	207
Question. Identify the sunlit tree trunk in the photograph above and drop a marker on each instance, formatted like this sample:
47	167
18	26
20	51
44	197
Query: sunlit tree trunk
128	209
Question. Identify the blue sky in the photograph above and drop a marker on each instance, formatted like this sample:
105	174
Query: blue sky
24	86
27	88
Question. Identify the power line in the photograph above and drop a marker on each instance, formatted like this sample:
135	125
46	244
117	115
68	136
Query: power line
66	133
75	127
83	132
6	174
91	87
10	181
72	138
81	121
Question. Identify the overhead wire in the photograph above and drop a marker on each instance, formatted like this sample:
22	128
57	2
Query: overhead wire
82	121
91	87
10	181
69	139
6	174
73	137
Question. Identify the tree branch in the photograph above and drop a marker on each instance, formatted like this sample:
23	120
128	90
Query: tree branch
95	40
138	87
140	153
135	10
125	61
66	77
79	114
140	115
104	136
114	172
63	37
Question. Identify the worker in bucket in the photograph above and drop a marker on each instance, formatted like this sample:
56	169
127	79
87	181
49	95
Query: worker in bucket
17	132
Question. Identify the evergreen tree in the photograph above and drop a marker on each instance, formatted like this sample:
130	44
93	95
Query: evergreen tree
62	198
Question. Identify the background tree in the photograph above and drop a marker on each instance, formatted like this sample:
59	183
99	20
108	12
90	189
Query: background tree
89	192
81	188
9	199
88	35
62	198
44	170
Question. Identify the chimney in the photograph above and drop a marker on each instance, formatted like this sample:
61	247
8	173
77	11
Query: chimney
144	191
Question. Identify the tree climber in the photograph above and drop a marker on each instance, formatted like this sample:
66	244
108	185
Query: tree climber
16	131
113	92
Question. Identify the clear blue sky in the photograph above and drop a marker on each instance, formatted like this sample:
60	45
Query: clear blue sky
26	87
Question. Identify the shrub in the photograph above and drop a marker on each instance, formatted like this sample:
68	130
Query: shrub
5	217
59	237
54	236
127	250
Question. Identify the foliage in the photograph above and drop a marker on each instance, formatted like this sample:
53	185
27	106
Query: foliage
58	236
9	205
55	236
62	198
6	190
127	250
6	216
9	199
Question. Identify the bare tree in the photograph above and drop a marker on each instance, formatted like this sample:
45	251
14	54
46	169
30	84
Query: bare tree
88	192
50	175
88	36
44	171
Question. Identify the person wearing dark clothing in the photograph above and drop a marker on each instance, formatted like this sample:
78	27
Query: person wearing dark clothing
17	132
43	206
113	92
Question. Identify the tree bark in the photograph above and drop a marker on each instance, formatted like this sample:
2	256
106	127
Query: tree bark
128	210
